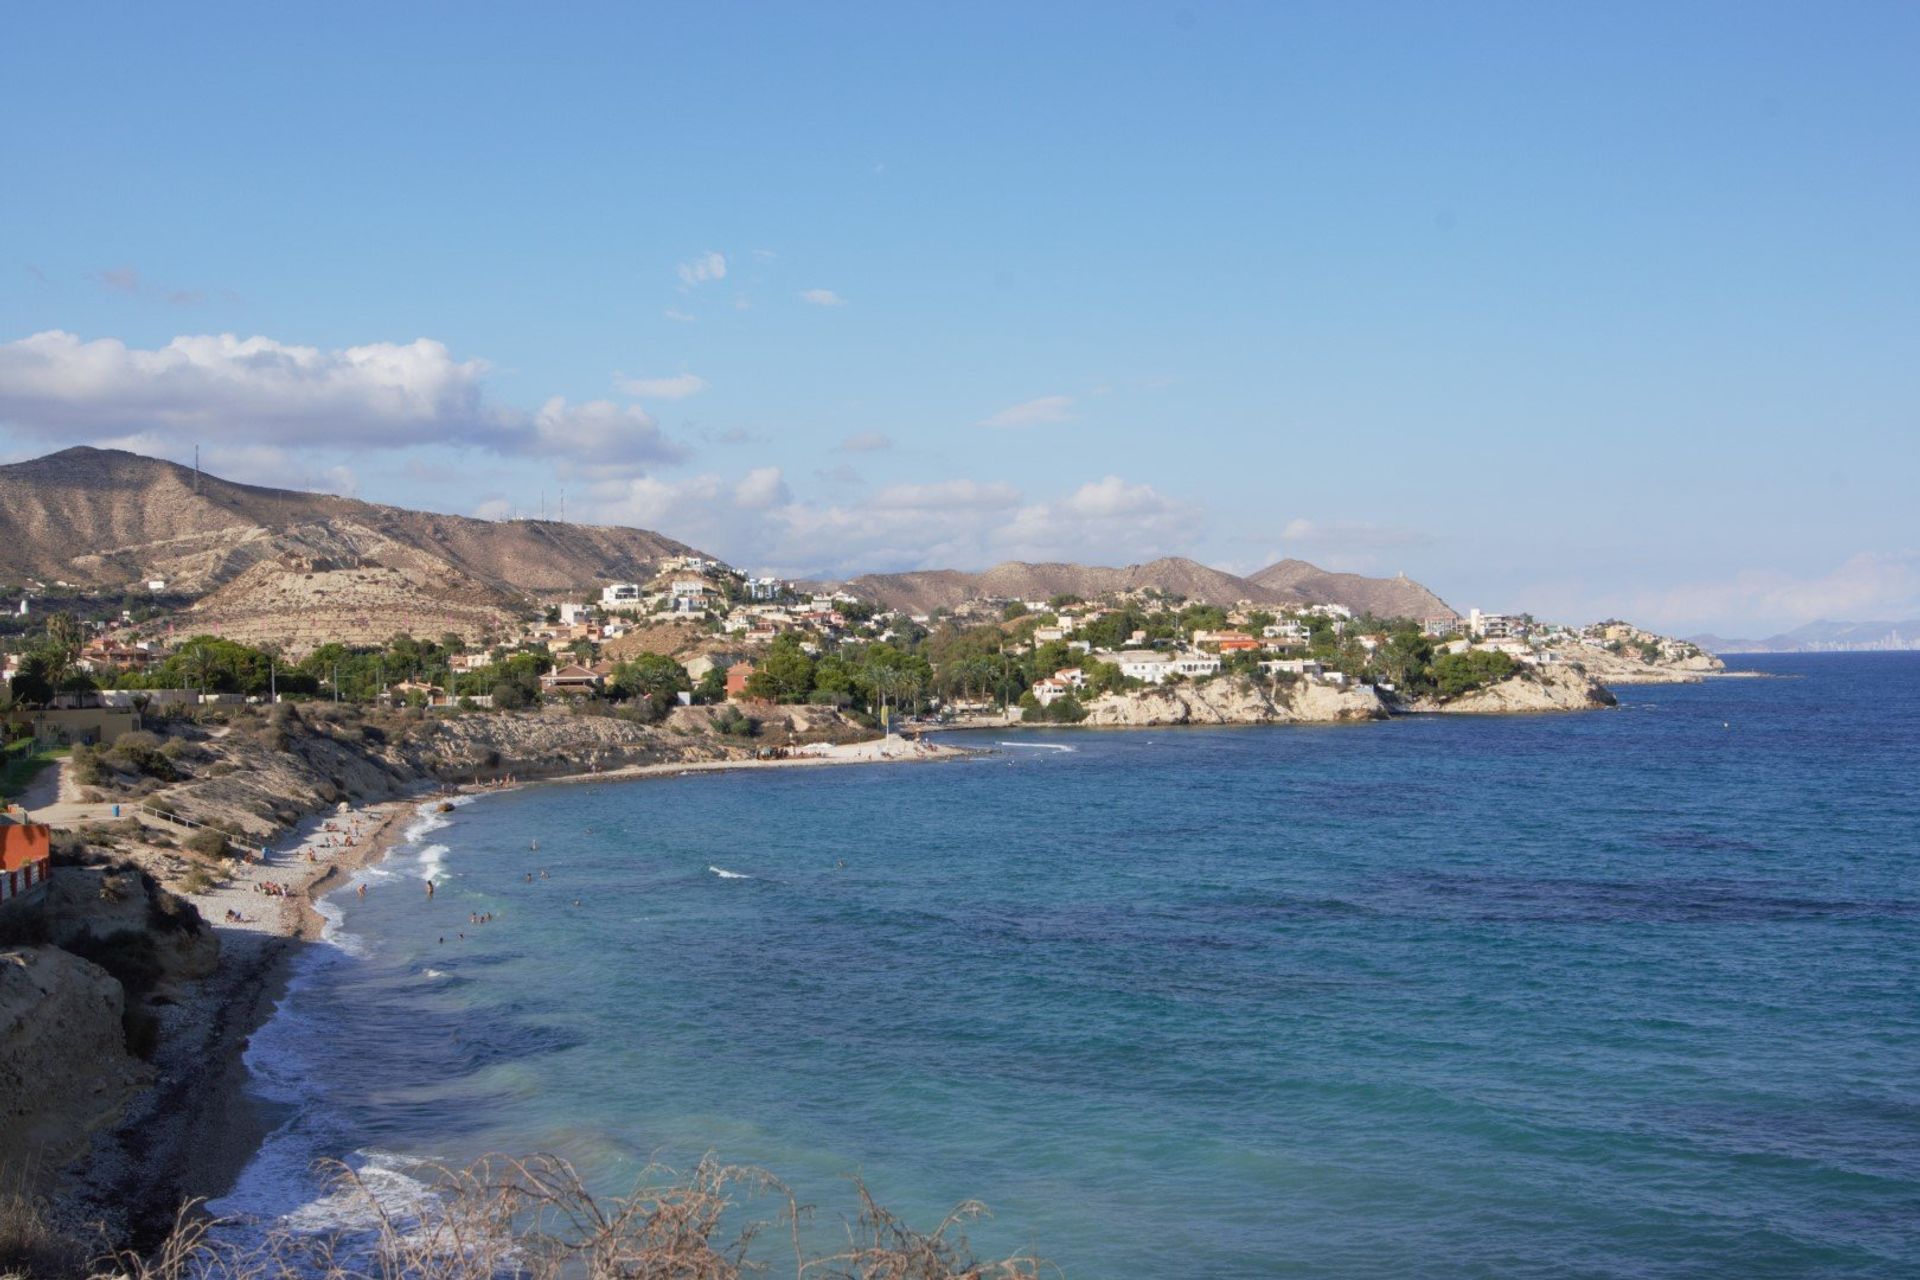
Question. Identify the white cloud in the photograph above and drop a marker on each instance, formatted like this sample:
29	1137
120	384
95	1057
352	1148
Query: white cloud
948	495
678	316
599	435
1868	587
381	394
677	387
823	298
708	266
866	442
761	489
256	393
1043	411
1104	521
756	523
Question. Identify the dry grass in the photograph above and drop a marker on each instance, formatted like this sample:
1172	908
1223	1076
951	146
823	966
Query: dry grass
31	1244
534	1219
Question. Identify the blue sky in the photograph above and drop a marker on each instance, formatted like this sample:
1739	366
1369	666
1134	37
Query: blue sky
1597	310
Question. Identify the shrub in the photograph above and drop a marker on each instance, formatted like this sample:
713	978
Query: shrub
1458	673
31	1245
87	769
130	955
733	722
1062	710
139	753
209	843
198	880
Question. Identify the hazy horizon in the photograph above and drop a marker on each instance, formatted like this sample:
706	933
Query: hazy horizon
1586	313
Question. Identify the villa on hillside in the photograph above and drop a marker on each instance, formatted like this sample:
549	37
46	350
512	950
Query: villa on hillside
571	679
737	676
1050	690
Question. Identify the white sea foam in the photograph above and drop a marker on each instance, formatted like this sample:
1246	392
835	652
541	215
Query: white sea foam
433	862
1040	746
725	874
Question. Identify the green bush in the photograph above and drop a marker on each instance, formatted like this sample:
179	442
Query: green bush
139	752
1062	710
209	843
1458	673
733	722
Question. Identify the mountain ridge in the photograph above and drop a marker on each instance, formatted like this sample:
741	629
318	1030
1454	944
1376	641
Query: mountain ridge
137	518
1288	583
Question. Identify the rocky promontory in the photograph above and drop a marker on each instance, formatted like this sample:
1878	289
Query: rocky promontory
1236	700
1554	686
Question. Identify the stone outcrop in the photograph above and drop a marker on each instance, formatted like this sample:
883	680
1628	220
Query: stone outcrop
64	1068
100	901
1557	686
1626	668
1236	700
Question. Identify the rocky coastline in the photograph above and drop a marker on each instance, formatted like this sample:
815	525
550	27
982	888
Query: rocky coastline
117	1130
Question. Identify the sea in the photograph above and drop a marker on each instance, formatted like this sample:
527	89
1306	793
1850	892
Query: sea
1626	993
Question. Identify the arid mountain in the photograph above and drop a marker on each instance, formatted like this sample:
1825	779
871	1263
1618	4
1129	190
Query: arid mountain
106	518
1291	582
272	565
1397	597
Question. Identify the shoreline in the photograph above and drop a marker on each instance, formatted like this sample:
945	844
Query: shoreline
193	1133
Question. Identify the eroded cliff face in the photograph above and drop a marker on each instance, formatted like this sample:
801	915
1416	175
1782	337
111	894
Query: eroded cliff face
1235	700
64	1067
1554	687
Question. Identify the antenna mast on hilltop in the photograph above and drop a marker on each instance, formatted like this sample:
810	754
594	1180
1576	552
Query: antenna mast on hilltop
563	504
196	468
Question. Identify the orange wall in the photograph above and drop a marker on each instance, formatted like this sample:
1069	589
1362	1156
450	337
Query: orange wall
20	845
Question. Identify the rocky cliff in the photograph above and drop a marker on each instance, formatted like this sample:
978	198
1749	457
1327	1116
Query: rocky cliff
64	1067
1236	700
1558	686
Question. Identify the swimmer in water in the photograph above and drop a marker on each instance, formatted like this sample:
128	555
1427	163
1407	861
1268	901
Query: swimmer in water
429	888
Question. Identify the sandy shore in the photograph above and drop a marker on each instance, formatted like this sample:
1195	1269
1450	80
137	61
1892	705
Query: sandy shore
194	1132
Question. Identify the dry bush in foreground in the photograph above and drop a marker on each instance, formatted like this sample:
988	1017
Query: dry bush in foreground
535	1220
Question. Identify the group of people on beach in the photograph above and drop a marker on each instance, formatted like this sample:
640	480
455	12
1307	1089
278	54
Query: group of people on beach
273	889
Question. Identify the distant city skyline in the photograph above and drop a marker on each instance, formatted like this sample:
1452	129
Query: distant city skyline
1584	312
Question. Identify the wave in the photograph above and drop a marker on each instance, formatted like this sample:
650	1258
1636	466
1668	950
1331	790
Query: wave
433	862
1040	746
725	874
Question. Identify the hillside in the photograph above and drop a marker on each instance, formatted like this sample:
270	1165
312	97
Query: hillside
106	518
1291	582
289	567
1397	597
929	589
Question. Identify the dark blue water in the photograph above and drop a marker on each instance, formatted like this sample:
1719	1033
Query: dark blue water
1626	993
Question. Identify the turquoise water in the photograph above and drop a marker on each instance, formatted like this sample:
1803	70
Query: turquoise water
1631	993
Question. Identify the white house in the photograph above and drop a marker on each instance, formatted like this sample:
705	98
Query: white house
621	595
1292	666
1495	626
1073	676
1047	692
572	613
